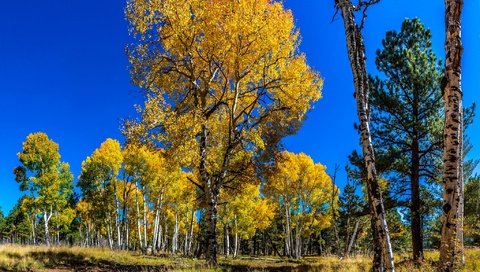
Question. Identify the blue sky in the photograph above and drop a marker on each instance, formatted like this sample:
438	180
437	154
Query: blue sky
63	71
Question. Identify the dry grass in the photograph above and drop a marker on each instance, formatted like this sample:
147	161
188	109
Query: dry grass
31	258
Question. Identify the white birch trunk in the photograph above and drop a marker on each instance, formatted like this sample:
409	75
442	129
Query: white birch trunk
235	247
356	54
145	223
175	234
138	220
46	219
227	242
191	232
352	239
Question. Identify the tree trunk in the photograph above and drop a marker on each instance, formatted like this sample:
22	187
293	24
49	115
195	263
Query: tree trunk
46	218
227	241
191	232
158	208
377	249
298	241
185	246
461	203
235	248
175	234
159	237
288	232
138	219
109	233
211	253
145	222
452	157
352	239
33	230
356	53
117	220
416	227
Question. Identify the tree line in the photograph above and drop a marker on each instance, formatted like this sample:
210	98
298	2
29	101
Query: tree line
202	170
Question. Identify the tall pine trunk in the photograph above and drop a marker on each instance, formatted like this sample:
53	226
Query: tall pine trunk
356	54
452	155
416	227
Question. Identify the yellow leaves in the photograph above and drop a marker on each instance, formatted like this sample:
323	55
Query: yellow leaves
39	152
232	66
248	208
109	156
51	183
305	187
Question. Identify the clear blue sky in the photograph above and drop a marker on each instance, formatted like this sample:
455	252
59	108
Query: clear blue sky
63	71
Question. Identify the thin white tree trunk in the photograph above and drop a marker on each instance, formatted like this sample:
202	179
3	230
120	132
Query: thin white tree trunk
175	234
227	242
352	239
145	223
288	232
356	54
138	220
109	233
158	208
191	231
46	219
298	241
185	246
117	221
235	248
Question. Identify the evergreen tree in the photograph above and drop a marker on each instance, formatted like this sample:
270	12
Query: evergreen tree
406	114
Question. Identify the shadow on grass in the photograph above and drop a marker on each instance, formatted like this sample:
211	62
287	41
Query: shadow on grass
81	262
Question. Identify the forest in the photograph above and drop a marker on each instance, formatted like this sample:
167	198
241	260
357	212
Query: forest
202	176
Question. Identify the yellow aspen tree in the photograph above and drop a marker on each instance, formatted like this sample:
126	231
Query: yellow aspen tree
303	191
51	180
98	182
219	77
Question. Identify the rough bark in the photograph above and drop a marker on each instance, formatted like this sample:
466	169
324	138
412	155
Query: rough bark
212	227
356	54
452	157
461	203
416	227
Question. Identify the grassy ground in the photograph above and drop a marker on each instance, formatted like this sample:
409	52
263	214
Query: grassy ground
63	259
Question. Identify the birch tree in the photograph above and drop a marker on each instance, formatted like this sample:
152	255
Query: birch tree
45	176
356	54
98	182
218	75
303	191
